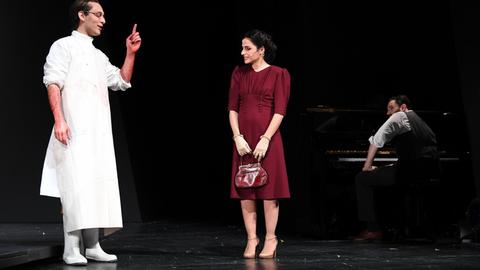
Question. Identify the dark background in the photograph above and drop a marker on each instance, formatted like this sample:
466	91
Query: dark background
173	141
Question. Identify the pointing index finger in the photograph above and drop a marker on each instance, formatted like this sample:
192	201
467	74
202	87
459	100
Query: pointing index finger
134	30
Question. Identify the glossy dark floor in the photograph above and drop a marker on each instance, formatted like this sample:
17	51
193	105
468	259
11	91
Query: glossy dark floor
195	245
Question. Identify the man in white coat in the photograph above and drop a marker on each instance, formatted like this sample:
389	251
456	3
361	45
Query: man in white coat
80	165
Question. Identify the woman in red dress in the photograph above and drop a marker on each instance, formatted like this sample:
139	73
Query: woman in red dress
257	104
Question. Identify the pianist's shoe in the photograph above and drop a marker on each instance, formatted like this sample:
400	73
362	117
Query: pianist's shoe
368	236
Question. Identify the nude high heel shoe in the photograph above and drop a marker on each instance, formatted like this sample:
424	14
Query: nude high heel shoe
251	255
269	254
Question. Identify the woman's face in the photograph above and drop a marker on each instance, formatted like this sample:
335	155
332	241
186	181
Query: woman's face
250	52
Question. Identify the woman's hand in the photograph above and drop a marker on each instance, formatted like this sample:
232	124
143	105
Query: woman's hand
261	148
242	145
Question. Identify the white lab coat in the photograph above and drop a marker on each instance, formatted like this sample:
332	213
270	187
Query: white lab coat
83	173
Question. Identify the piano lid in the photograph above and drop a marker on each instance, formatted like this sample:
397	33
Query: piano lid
350	128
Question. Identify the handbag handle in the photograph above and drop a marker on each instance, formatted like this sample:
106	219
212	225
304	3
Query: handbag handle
241	160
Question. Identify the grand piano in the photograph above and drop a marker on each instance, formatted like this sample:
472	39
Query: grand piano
332	152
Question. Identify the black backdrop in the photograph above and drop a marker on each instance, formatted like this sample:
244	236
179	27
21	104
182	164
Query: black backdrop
171	129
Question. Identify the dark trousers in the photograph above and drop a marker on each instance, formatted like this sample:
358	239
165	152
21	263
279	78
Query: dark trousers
365	183
399	173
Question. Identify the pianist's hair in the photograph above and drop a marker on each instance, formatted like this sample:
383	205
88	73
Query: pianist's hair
401	99
77	6
262	39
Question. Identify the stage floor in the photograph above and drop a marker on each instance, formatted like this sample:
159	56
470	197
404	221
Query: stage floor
201	245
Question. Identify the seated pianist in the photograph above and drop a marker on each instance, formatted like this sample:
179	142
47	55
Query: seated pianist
417	159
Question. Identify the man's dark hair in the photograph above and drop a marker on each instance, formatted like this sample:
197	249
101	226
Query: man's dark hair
79	5
400	100
262	39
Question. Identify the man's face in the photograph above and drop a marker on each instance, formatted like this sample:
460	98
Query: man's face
93	20
250	52
392	107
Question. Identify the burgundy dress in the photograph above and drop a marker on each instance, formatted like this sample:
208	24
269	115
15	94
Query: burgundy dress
257	96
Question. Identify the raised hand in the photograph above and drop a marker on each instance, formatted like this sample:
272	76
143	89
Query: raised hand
133	41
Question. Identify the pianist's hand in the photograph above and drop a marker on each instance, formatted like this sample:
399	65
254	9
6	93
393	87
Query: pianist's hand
261	148
369	168
242	145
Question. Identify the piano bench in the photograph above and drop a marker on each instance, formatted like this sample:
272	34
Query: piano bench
419	206
410	210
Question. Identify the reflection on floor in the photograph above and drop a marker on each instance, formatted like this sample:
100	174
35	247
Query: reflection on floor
202	245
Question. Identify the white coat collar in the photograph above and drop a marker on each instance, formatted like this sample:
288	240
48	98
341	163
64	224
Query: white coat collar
81	36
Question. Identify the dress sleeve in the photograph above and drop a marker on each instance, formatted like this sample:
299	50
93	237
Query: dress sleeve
282	92
114	78
234	93
56	65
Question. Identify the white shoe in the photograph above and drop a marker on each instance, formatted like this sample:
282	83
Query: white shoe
97	254
93	249
75	259
71	252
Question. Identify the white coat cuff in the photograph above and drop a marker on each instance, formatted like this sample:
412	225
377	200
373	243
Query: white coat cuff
123	84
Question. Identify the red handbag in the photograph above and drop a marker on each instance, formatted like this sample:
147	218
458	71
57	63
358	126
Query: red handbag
250	175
